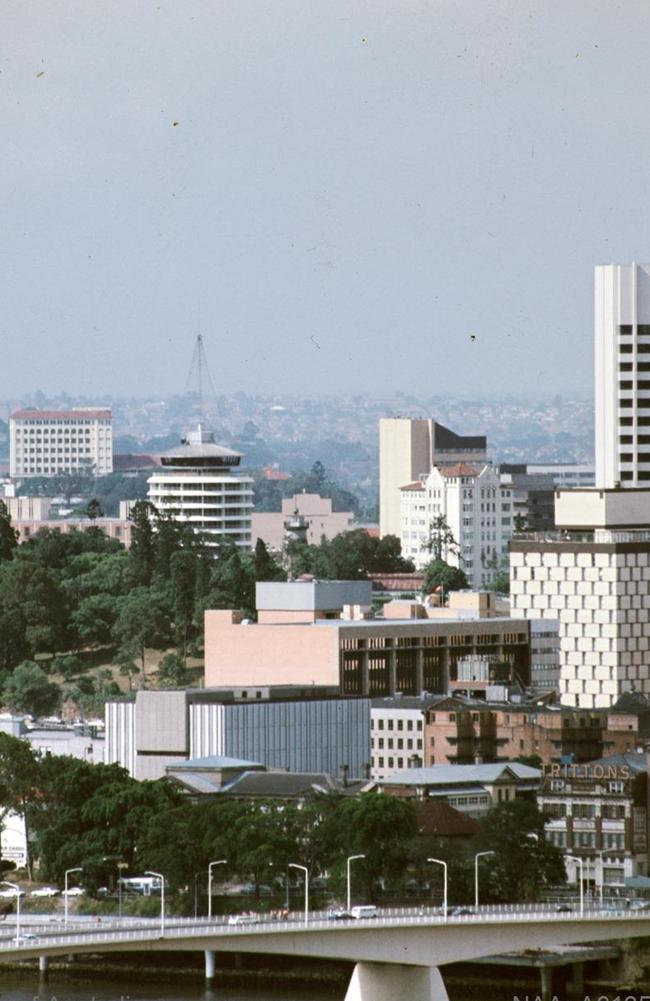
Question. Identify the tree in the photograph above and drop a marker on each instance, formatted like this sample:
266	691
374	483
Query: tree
519	524
441	539
27	690
142	551
143	621
266	567
499	571
8	534
94	619
18	781
524	863
94	509
438	574
172	672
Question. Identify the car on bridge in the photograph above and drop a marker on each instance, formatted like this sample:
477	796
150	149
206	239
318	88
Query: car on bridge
244	919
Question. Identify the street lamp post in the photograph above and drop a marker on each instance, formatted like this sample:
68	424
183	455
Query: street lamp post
16	889
601	853
120	867
350	859
438	861
77	868
159	876
476	858
574	858
294	865
221	861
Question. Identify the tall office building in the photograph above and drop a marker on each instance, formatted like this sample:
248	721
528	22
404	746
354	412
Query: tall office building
196	486
408	449
51	442
622	371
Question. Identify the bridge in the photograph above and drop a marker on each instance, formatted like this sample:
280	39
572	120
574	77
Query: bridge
395	955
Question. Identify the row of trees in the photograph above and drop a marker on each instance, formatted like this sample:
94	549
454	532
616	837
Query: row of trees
95	815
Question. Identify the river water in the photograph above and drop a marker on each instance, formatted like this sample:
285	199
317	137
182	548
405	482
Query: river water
26	986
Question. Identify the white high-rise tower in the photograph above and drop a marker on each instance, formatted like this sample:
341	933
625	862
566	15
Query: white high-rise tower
622	371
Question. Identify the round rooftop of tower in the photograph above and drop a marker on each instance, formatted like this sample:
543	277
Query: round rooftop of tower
199	450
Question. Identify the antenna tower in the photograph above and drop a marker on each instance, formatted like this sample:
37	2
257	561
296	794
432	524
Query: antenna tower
199	383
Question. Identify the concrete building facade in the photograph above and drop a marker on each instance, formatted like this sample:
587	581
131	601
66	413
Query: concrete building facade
476	505
51	442
598	588
408	449
317	512
622	375
296	729
197	486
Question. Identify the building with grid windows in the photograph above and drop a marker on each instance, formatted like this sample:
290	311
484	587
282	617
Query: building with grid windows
51	442
475	504
598	813
198	484
622	370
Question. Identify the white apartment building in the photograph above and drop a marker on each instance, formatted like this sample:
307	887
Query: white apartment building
408	449
478	509
50	442
196	486
622	372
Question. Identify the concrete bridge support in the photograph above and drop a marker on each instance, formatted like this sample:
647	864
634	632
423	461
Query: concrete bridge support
210	966
42	965
388	981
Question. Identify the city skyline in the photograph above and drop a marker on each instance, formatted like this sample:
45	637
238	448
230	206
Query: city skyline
409	195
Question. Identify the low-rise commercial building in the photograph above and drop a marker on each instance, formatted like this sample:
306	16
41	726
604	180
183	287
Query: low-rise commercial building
359	655
598	813
296	729
471	789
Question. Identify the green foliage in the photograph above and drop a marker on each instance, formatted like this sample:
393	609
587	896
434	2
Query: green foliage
441	540
269	494
438	574
94	509
28	690
8	534
172	672
499	574
524	862
143	620
349	556
67	666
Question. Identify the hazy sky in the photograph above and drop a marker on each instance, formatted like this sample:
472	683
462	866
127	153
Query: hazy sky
340	193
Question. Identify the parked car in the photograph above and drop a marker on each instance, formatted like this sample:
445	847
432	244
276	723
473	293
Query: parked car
364	911
12	893
244	919
45	891
74	891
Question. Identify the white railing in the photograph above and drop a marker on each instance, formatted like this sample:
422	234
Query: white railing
45	937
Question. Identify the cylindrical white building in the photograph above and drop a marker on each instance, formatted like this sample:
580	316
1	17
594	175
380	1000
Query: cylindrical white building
196	486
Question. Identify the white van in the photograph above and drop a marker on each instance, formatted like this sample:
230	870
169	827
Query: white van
364	911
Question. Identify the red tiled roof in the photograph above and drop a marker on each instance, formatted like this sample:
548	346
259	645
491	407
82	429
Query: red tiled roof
33	413
413	486
439	819
398	581
270	473
460	469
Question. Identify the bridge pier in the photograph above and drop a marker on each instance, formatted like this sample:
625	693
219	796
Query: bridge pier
210	966
42	965
387	981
